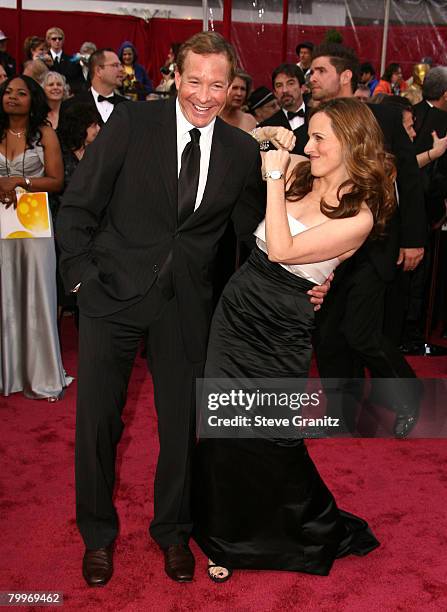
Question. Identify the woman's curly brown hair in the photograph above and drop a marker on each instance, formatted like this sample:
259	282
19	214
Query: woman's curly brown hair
370	168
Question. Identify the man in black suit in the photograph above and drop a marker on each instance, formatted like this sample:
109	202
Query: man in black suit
106	75
349	329
430	116
141	257
62	63
138	229
287	80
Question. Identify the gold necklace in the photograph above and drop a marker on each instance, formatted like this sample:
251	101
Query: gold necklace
18	134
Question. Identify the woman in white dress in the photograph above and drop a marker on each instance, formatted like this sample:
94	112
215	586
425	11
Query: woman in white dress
30	158
260	503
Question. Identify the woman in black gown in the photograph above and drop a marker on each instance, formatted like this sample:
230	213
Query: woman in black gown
260	503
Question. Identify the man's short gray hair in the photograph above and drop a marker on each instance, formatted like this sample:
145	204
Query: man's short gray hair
87	48
435	83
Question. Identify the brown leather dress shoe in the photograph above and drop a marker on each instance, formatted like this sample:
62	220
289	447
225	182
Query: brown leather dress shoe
179	562
97	566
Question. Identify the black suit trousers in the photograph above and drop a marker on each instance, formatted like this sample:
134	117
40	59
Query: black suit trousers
349	335
108	346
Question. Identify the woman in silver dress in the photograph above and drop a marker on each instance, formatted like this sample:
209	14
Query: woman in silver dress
30	158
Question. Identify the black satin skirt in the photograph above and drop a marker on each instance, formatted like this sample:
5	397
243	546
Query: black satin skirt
262	326
257	503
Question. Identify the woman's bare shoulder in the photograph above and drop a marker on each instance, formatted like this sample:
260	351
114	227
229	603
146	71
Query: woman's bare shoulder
47	135
46	130
366	212
361	223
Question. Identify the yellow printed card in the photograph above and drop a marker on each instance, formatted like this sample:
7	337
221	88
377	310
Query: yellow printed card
31	218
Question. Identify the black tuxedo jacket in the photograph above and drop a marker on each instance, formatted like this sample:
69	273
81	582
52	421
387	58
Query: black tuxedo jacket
427	119
408	227
87	97
8	63
279	119
117	224
72	71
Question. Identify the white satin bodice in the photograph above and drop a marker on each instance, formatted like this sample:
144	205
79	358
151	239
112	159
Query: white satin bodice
315	272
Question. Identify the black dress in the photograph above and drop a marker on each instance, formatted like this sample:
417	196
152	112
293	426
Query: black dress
261	504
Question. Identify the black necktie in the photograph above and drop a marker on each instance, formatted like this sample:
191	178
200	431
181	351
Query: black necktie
188	180
112	99
56	61
291	115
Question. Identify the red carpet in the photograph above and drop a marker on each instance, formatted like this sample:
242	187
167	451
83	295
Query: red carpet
398	486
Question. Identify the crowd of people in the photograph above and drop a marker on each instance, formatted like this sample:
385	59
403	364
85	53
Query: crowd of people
350	182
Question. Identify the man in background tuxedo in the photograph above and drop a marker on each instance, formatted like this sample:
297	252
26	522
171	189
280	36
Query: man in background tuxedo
138	229
304	53
430	116
287	80
62	63
82	57
405	322
349	328
106	75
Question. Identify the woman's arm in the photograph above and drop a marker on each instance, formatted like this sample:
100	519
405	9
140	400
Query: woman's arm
294	160
53	180
280	137
438	149
329	239
248	122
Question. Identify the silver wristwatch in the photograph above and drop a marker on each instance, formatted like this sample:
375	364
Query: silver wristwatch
27	181
273	174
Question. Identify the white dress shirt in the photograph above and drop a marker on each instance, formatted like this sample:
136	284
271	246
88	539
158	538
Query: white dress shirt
56	55
296	122
105	108
183	137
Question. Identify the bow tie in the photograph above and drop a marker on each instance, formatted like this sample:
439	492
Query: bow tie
112	99
299	113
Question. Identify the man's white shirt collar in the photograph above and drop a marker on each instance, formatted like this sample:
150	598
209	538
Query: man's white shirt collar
105	109
303	106
96	94
296	122
184	126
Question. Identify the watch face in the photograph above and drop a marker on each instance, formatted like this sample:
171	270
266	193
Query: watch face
276	174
